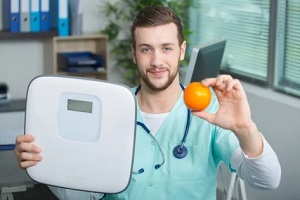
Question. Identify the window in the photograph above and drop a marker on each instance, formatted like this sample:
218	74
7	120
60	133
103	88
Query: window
287	71
248	26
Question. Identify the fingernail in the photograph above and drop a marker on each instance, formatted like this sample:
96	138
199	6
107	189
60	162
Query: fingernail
38	149
39	157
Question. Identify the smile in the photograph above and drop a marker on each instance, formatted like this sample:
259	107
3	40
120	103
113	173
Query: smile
157	71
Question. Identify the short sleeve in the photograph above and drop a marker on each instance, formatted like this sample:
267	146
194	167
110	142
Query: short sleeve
225	144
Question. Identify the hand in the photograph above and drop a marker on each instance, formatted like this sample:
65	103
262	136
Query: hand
26	152
233	113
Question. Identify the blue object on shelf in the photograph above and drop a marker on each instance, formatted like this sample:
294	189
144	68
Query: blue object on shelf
7	147
80	62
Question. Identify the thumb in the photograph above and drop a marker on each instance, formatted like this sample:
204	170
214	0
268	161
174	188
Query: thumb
204	115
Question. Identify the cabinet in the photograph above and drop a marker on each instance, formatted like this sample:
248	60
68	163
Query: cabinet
97	44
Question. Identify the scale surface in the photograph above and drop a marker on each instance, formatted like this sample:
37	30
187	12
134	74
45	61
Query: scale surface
86	130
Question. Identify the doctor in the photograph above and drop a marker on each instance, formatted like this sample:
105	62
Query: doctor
224	132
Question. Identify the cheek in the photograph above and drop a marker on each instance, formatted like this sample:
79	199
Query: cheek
175	61
142	60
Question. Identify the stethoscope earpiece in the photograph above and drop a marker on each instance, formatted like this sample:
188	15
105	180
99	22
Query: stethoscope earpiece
180	151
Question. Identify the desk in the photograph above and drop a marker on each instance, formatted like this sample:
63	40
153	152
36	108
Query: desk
12	178
11	173
13	106
11	122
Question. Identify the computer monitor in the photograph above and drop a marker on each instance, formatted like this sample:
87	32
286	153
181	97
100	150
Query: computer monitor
205	61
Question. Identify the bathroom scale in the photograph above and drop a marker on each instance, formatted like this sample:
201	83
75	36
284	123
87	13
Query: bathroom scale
86	130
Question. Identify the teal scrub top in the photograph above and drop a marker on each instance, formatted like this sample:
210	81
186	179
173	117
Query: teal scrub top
192	177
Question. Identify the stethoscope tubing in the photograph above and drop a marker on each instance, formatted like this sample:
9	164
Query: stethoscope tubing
180	151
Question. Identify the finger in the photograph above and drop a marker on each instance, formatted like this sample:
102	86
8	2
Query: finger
26	164
232	84
209	81
25	156
226	83
24	138
204	115
24	159
27	147
212	82
237	84
223	79
216	81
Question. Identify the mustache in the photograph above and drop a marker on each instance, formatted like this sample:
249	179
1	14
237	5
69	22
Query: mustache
157	68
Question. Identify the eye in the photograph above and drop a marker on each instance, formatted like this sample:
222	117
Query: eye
145	50
167	49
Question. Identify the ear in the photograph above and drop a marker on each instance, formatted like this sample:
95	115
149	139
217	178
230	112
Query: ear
182	50
133	54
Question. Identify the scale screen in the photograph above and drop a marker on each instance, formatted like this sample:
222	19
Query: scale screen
79	117
80	106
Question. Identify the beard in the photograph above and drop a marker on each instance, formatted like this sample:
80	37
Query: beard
151	84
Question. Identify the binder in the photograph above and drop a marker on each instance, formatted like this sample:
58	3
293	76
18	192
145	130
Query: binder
24	16
59	10
14	16
35	18
63	18
11	15
76	17
1	19
45	15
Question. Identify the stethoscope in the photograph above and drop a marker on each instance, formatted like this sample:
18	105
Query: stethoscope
180	151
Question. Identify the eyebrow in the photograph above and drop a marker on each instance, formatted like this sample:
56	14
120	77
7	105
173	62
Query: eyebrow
164	44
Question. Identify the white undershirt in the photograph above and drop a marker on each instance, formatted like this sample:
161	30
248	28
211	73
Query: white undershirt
154	121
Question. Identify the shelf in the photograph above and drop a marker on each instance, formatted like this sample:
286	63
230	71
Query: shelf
97	75
97	44
17	105
28	35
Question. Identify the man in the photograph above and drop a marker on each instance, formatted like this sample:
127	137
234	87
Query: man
224	132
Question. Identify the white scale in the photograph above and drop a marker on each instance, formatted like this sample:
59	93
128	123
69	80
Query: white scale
86	130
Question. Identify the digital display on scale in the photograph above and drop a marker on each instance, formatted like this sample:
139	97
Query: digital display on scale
80	106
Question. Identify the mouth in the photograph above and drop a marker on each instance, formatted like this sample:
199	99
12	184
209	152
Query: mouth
157	71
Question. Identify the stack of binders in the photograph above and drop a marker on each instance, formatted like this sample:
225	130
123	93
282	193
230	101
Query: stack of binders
80	62
36	16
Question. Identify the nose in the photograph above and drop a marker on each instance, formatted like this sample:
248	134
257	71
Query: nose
156	59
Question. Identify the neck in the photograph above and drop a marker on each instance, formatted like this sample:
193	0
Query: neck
158	101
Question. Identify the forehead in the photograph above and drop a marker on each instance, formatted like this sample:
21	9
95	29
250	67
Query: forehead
157	34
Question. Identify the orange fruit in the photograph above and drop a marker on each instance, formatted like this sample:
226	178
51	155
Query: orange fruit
197	96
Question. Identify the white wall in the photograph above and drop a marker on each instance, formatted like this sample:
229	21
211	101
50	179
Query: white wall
278	118
21	60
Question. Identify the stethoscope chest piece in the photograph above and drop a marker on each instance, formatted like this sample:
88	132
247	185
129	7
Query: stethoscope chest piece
180	151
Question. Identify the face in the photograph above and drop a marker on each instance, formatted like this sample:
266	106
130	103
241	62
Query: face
157	54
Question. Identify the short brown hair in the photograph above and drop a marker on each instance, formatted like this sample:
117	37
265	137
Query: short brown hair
154	16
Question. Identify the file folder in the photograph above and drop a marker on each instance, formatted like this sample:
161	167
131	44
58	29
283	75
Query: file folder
35	15
1	19
14	16
45	14
76	17
11	15
59	21
63	18
25	19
